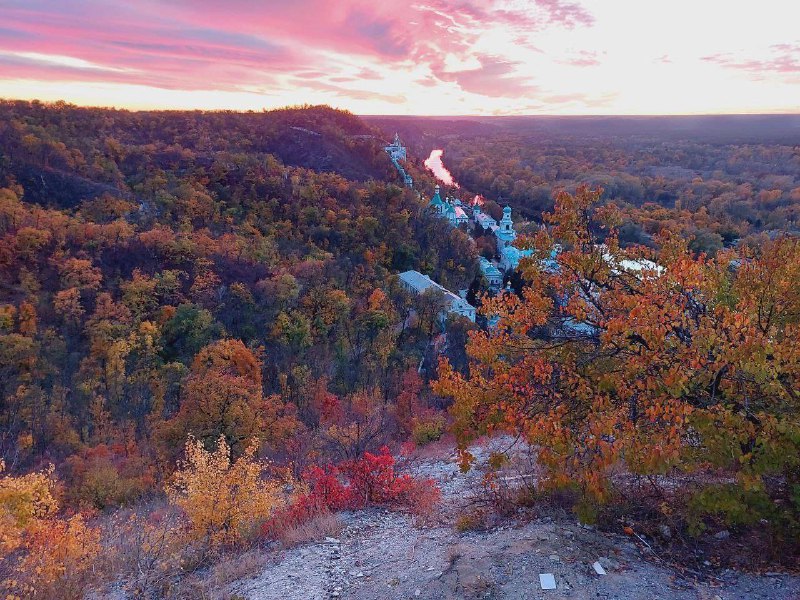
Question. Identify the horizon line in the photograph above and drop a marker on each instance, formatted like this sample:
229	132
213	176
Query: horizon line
407	116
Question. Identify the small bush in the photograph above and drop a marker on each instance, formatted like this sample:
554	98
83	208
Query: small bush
470	521
59	560
325	524
586	511
224	501
368	481
41	555
374	480
730	504
148	552
427	431
106	476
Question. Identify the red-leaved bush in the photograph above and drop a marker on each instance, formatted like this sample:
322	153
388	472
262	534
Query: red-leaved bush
368	481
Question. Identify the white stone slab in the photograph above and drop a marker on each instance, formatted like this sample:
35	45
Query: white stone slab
547	581
598	568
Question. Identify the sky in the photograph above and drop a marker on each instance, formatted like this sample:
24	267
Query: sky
419	57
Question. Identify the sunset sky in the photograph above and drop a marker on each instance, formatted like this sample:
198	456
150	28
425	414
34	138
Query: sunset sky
416	57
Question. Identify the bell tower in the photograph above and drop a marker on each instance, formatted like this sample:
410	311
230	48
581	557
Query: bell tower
506	234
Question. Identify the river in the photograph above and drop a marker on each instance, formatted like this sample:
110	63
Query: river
435	166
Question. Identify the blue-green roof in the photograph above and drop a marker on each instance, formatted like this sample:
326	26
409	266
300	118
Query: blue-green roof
436	200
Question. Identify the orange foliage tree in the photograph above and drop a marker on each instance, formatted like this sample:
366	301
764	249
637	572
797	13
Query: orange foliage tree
42	556
223	396
23	501
60	559
655	361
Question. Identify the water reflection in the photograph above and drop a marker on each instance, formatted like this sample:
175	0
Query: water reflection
434	164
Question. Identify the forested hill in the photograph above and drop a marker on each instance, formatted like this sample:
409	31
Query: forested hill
156	238
205	349
64	154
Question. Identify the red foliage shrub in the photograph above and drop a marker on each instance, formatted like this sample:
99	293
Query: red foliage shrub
373	480
406	448
368	481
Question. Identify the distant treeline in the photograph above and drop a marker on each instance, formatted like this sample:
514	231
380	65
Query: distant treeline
717	179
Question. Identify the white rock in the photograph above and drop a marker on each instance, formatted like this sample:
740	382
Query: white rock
547	581
598	568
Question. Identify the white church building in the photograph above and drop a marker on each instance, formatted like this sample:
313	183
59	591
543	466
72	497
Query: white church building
398	152
450	208
417	283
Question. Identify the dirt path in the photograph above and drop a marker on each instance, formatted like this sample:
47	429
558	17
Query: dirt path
382	555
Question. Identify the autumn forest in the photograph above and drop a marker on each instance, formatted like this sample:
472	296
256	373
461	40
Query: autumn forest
204	345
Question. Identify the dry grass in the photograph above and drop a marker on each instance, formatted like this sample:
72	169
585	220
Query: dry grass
146	549
322	526
211	584
473	520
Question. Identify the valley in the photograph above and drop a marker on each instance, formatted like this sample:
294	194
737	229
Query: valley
278	354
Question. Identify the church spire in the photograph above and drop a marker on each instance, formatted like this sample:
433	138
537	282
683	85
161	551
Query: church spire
506	234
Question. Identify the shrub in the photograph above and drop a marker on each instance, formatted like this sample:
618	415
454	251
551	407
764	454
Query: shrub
148	552
730	504
23	501
470	521
371	480
224	501
41	555
105	476
60	559
322	525
428	430
374	480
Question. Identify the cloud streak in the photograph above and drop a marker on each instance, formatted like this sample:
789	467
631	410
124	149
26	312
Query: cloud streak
783	59
495	77
426	56
245	46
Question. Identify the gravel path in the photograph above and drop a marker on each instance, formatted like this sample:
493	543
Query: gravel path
382	555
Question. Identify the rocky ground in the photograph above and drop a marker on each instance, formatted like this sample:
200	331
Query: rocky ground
389	555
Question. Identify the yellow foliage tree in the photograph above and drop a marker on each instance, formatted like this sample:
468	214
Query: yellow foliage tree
225	502
56	556
23	500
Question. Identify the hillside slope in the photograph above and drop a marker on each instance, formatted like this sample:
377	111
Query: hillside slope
52	150
384	555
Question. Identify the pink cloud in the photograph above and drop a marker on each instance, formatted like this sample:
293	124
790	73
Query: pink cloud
568	14
242	44
135	51
584	58
496	77
351	93
784	59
